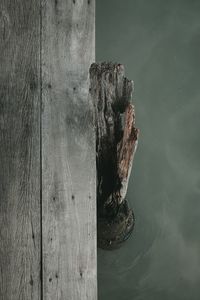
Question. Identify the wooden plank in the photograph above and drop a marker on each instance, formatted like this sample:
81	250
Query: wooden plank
20	232
68	151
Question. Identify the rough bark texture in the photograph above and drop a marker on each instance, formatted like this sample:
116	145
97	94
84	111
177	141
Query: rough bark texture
116	143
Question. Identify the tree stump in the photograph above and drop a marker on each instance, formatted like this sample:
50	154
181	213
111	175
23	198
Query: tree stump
116	143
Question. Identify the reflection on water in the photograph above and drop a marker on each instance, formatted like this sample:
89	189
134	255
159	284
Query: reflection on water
159	43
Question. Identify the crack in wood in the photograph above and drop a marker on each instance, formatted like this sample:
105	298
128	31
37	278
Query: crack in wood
4	26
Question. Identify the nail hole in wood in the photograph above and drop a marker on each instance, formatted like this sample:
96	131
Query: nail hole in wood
31	281
33	85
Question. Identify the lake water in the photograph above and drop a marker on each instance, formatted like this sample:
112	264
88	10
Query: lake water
159	44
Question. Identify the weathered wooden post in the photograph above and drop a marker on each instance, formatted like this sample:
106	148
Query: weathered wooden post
116	143
47	151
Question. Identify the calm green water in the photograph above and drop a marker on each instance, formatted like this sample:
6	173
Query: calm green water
159	43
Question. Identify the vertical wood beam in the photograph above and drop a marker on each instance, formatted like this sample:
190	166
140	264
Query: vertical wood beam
68	151
116	144
20	233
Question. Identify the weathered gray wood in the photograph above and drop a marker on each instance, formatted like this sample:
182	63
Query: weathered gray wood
116	143
68	151
19	150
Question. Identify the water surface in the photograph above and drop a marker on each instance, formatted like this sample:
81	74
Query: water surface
159	43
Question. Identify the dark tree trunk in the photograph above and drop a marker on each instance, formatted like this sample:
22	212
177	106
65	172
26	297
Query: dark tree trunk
116	143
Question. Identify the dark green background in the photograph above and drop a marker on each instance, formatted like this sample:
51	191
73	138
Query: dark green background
159	44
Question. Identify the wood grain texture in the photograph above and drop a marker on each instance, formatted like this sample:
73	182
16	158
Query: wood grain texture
68	151
19	150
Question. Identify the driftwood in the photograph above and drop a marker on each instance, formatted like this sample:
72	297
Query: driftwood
116	143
